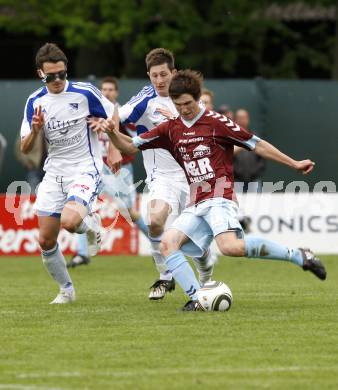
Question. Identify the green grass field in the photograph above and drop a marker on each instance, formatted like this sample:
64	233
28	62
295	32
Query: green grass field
281	333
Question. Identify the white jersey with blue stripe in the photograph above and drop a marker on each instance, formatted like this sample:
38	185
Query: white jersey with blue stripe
72	147
142	111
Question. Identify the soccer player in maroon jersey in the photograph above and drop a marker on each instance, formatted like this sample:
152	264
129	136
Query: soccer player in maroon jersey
202	142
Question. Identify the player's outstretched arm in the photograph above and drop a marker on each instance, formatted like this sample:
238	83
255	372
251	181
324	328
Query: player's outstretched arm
38	122
121	141
268	151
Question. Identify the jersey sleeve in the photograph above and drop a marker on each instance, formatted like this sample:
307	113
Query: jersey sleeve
27	118
132	111
231	131
158	137
32	102
98	105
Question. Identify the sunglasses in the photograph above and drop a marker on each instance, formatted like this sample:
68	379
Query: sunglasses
49	77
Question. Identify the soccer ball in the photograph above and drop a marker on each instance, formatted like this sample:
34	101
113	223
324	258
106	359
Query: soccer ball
215	296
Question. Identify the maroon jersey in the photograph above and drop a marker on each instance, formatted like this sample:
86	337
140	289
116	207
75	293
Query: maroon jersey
204	149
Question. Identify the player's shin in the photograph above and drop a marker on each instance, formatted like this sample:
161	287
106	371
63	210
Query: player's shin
256	247
183	273
55	263
160	261
142	226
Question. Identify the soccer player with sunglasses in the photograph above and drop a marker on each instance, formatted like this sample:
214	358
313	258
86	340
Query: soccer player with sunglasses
65	197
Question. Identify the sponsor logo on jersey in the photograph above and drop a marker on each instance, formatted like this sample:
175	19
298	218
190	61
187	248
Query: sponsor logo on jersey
61	125
199	170
83	188
189	133
66	141
191	140
201	151
182	149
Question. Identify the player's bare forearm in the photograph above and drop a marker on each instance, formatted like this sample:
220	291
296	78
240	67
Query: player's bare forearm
37	124
122	142
270	152
28	142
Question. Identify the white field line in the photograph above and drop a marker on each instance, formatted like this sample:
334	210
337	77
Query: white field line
27	387
172	371
61	374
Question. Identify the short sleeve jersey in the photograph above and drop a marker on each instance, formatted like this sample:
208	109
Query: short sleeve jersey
72	146
204	149
142	110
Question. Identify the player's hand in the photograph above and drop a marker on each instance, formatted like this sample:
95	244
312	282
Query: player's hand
95	124
114	160
305	166
108	125
112	124
38	120
167	113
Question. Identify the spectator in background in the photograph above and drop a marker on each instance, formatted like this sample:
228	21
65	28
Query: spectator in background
33	161
110	89
248	167
207	98
224	109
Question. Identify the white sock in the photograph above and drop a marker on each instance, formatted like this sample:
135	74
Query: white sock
56	266
88	223
159	259
204	266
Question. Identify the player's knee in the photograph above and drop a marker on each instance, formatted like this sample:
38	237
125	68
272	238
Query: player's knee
168	245
156	227
46	243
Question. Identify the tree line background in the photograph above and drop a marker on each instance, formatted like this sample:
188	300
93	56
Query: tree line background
222	38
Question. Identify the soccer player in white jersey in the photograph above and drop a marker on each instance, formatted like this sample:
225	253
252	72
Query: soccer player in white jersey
117	178
60	110
168	188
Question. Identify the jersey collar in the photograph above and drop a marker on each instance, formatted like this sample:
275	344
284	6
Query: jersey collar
193	121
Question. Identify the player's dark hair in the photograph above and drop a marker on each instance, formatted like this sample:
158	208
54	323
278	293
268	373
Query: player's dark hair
111	80
160	56
186	81
49	52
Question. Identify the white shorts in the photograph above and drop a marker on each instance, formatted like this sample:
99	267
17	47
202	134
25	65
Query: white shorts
174	192
203	222
55	191
121	187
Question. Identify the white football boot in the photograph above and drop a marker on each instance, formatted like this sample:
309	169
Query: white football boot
160	288
66	295
94	235
205	266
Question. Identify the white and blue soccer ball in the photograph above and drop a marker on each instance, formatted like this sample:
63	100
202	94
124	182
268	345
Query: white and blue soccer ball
215	296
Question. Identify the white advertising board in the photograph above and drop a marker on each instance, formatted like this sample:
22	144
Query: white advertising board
296	220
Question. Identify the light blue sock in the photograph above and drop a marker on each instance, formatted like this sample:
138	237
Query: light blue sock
142	226
261	248
183	274
82	245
